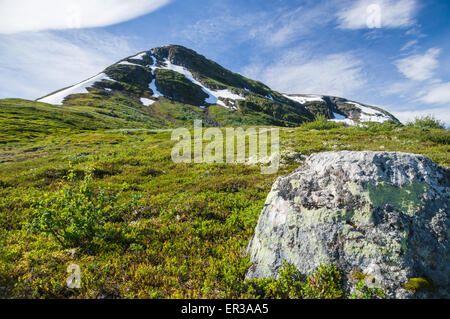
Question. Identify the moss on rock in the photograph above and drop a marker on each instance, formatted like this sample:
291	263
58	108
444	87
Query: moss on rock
418	284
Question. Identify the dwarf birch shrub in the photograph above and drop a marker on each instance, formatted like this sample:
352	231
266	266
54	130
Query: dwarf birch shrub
76	213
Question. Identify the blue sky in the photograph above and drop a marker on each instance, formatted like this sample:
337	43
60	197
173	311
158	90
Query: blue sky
390	53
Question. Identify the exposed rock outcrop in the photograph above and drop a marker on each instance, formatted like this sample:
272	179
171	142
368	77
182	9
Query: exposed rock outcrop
384	215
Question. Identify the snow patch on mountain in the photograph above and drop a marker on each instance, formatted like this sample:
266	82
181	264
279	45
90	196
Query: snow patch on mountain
58	97
146	102
342	119
370	115
213	95
304	98
338	116
139	56
129	63
152	86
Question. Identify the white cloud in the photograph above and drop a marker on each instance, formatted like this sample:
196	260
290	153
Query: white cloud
288	26
37	63
438	94
31	15
409	44
366	14
419	67
334	74
276	28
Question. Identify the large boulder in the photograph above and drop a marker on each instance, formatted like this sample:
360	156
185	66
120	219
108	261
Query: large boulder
378	214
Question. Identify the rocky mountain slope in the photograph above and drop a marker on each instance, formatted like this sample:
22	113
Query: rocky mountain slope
342	110
191	86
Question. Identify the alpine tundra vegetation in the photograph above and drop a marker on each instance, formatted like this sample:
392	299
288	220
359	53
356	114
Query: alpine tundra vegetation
87	179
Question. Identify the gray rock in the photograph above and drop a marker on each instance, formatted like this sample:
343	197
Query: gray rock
379	213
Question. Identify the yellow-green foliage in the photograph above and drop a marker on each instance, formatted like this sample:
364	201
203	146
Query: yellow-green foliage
77	215
418	284
185	237
428	121
357	275
324	283
362	291
321	123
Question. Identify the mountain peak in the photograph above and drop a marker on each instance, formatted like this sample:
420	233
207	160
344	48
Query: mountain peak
182	76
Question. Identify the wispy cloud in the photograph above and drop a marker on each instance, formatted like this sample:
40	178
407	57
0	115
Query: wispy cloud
335	74
34	64
422	87
279	27
419	67
364	14
438	94
287	26
410	44
28	15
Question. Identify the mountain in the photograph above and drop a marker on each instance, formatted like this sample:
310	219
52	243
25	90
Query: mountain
342	110
173	85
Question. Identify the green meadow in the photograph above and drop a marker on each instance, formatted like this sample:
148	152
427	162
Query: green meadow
97	187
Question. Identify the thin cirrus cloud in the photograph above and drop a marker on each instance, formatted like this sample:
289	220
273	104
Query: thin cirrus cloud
438	94
388	13
30	15
279	27
334	74
419	67
37	63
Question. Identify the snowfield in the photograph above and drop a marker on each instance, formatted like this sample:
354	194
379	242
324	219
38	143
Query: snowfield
213	96
147	102
370	115
58	97
138	56
156	93
129	63
304	98
342	119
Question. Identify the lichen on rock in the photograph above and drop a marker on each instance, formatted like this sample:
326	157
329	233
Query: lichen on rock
382	214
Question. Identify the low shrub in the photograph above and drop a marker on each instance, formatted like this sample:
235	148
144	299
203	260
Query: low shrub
320	123
324	283
428	121
377	127
362	291
76	213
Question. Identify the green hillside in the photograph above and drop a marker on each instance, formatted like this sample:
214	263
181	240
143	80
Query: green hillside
145	227
89	180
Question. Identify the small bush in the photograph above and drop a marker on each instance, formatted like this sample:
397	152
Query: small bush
75	214
428	121
320	123
324	283
362	291
288	285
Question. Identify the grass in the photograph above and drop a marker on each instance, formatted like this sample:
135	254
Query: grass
142	226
